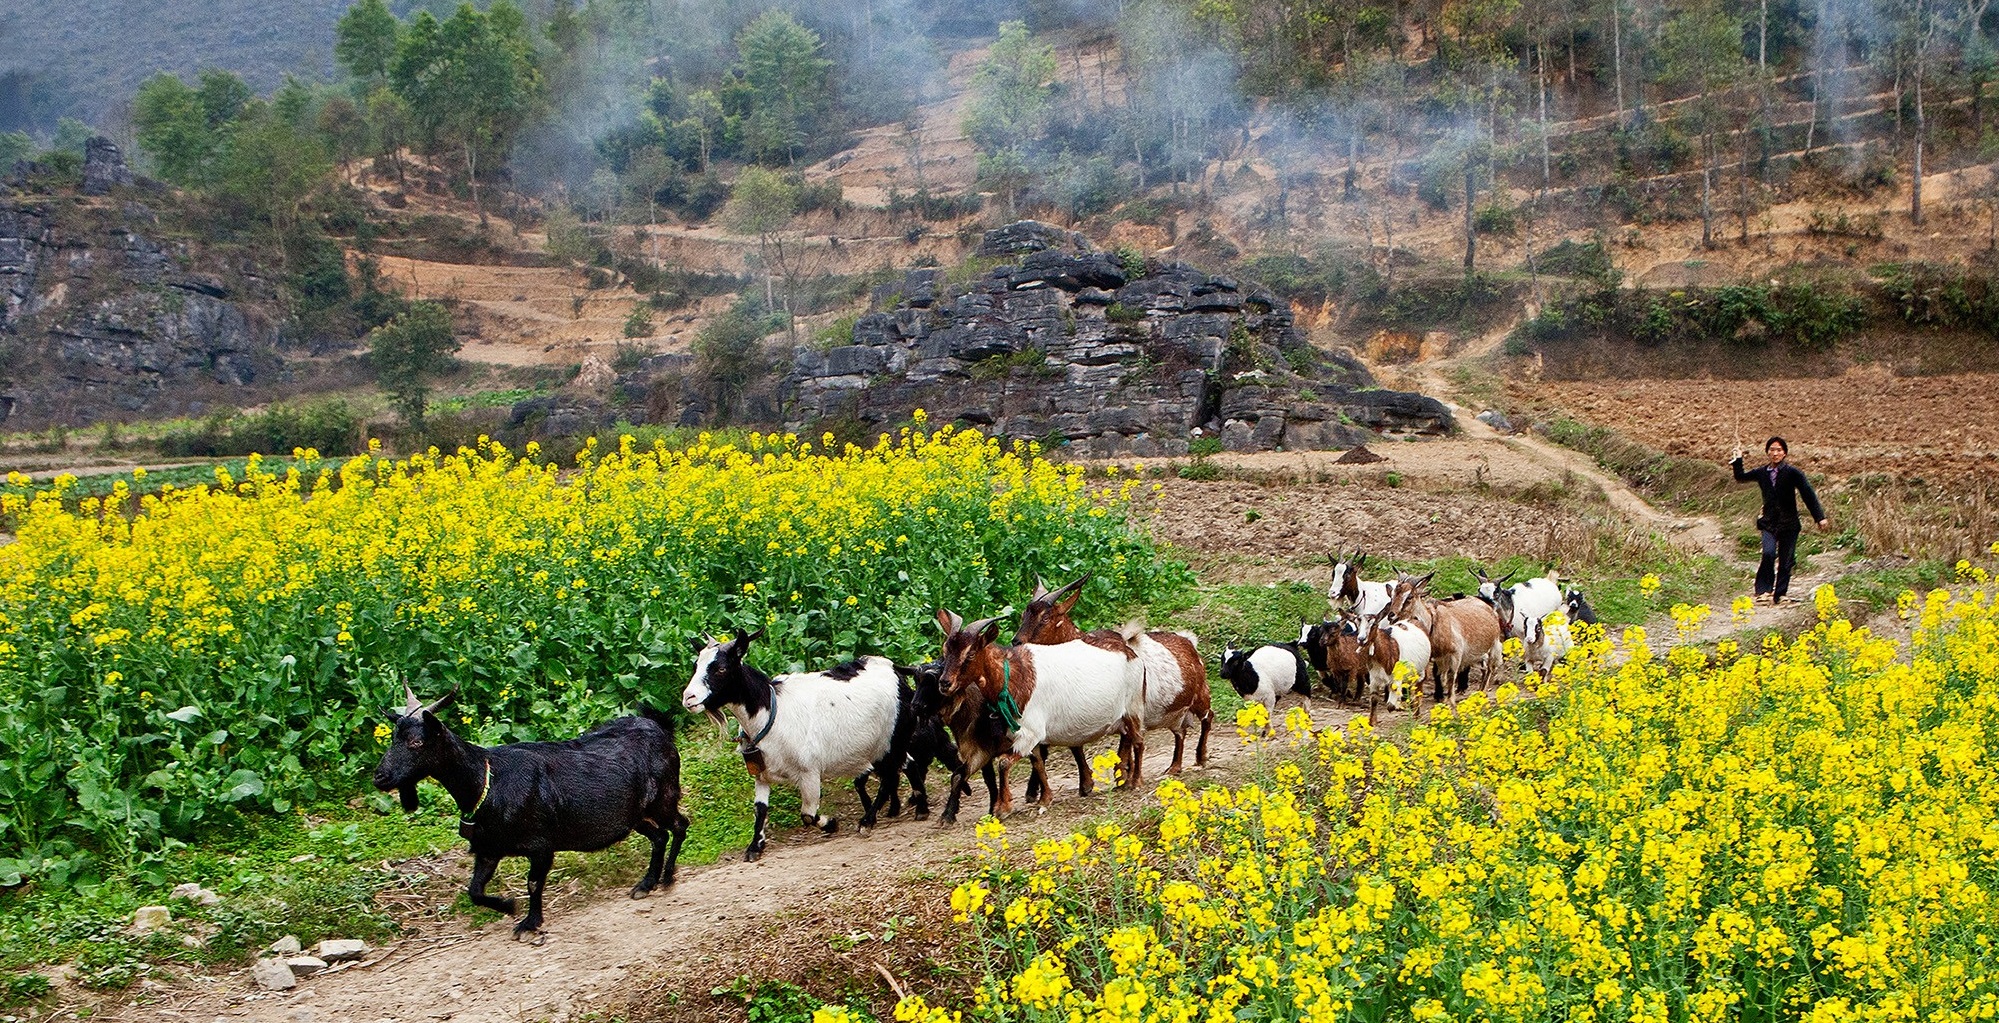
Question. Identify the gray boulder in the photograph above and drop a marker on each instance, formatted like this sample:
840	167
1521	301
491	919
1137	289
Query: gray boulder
103	166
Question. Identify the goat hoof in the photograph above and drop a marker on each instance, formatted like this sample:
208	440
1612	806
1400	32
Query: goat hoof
752	854
527	927
919	815
641	890
866	830
829	825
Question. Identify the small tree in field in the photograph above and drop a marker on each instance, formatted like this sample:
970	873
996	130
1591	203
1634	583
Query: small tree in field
408	352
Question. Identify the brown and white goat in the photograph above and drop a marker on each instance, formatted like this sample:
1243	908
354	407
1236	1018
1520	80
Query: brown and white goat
1176	681
1066	694
1465	635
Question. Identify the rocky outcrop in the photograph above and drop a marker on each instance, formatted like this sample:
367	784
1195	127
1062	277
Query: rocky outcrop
105	320
103	167
1073	345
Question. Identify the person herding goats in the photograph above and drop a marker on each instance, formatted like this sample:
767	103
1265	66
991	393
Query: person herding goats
1782	484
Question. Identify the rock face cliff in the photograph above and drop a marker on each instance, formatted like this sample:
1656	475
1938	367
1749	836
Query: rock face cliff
1058	341
105	316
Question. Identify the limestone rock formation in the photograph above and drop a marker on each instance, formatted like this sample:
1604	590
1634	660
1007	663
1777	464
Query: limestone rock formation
1069	344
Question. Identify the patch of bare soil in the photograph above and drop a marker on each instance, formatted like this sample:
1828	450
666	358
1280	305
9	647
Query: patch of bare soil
1238	530
529	316
1864	422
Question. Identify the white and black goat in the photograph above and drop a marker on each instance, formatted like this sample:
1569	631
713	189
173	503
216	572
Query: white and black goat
1527	600
1177	697
1364	598
1066	694
1266	673
535	799
1547	641
800	729
1578	607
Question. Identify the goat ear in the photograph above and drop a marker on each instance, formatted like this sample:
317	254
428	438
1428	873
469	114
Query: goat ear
408	794
700	645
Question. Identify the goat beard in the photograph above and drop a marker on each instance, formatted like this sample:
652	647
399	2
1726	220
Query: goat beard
408	794
721	722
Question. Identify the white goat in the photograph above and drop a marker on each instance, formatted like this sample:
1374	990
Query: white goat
1547	641
802	728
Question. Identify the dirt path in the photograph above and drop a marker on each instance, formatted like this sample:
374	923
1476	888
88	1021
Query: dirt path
597	943
1699	532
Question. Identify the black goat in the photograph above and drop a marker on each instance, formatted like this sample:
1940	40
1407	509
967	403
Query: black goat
920	740
533	799
926	705
1578	608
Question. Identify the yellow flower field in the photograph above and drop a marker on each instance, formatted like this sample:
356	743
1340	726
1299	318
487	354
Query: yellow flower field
235	645
1806	831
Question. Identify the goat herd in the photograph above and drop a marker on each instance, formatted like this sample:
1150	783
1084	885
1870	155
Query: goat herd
980	707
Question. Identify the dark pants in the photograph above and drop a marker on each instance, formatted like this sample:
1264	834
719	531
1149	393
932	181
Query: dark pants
1780	549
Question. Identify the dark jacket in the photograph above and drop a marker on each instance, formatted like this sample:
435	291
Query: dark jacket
1780	498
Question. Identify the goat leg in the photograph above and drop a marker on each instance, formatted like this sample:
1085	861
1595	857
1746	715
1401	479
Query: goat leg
679	829
1034	782
1086	782
758	834
482	875
1134	766
538	866
1179	748
1004	805
1201	747
958	786
918	774
868	806
657	835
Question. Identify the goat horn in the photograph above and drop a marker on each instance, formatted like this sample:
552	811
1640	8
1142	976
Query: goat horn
1071	587
410	702
980	626
433	706
1040	587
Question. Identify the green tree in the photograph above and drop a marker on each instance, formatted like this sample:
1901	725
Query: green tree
71	134
365	41
410	351
1011	92
779	60
172	129
471	82
1008	114
762	204
222	96
1701	50
729	356
270	168
15	146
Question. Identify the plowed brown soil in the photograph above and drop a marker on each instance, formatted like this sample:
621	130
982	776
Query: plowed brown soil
1868	421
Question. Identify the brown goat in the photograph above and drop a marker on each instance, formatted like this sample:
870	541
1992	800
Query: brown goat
1177	697
1465	633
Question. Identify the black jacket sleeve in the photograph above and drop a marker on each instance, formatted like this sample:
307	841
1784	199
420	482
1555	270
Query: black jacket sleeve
1811	497
1741	475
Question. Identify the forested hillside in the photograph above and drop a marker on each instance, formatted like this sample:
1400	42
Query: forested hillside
1394	166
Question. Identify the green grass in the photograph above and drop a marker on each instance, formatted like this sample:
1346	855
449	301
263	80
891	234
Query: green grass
503	398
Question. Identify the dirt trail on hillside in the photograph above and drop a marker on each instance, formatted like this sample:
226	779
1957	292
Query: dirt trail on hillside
598	943
1698	532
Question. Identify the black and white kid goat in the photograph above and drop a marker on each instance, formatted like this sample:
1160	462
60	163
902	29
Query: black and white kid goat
534	799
